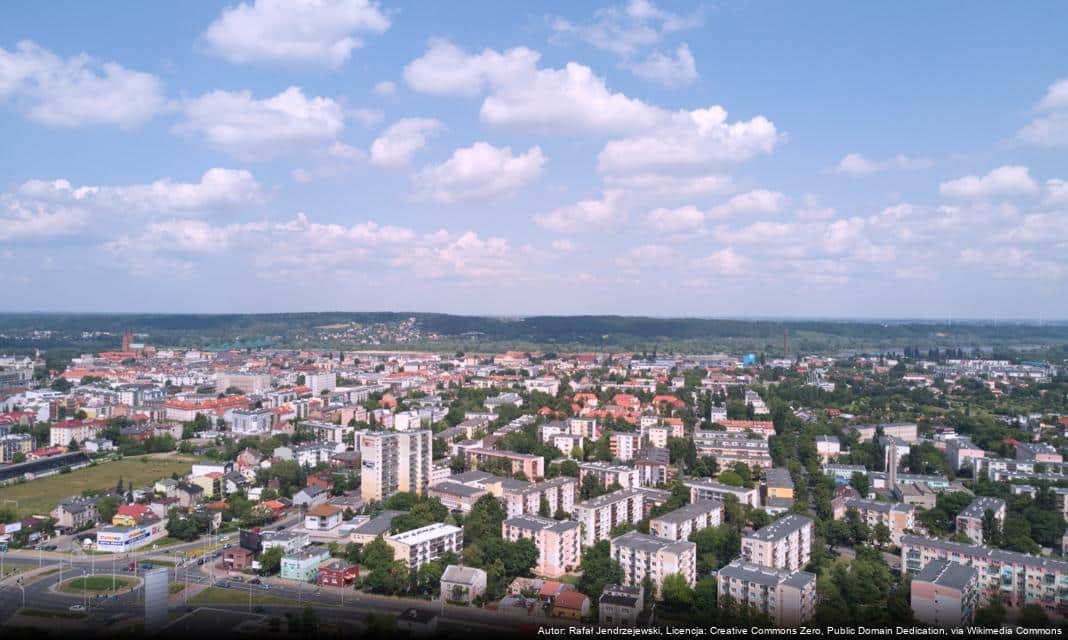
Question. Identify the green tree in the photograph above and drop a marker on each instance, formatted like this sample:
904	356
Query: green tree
271	560
598	570
485	519
676	592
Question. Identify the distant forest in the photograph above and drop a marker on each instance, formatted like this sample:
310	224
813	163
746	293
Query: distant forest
550	333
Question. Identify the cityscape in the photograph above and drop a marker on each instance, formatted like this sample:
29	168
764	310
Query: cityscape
331	319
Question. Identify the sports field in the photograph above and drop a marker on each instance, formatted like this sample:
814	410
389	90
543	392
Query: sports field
42	495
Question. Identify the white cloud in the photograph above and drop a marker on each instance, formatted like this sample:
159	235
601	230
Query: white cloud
479	172
725	262
252	129
690	141
564	245
670	71
337	159
668	186
679	220
856	164
585	215
625	29
77	91
1058	192
1051	129
466	256
1005	181
321	32
1012	261
522	96
217	188
756	201
397	144
20	221
384	89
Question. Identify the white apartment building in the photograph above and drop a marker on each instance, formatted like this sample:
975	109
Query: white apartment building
559	494
707	489
63	432
728	449
598	516
394	461
680	523
319	382
625	445
608	474
406	420
783	544
251	422
558	542
643	556
787	597
426	544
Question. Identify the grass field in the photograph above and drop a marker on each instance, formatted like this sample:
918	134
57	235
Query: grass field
42	495
95	584
216	595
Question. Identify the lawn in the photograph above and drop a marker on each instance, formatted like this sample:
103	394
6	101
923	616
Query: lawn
42	495
217	595
95	584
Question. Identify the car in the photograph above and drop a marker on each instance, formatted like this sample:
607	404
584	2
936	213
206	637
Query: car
200	562
237	579
265	587
223	584
77	607
280	527
227	545
255	581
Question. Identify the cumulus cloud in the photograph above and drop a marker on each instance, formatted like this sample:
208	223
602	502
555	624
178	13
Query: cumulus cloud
216	188
670	71
756	201
252	128
77	91
725	262
1012	261
1005	181
22	221
585	216
397	144
663	186
679	220
523	96
320	32
856	164
1050	128
479	172
690	142
1058	192
625	29
384	89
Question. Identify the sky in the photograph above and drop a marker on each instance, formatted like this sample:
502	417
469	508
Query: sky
717	159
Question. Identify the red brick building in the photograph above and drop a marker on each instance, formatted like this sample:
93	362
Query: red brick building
337	573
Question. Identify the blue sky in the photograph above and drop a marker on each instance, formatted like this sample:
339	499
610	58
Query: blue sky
710	159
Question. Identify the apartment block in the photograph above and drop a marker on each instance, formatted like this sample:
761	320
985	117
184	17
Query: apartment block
1016	578
778	490
598	516
608	474
558	542
625	445
897	516
783	544
393	462
532	466
970	519
728	449
643	556
559	494
680	523
961	451
707	489
787	597
426	544
945	594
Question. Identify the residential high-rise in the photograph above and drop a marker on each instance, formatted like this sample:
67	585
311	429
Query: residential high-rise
643	556
558	542
945	594
783	544
787	597
393	462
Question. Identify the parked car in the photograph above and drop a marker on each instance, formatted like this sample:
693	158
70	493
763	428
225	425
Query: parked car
222	584
255	581
237	579
265	587
77	607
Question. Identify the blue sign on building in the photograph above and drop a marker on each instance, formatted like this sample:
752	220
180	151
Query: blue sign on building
748	359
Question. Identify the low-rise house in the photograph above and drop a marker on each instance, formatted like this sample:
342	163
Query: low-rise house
303	565
461	584
75	512
571	605
620	605
323	517
337	573
309	497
